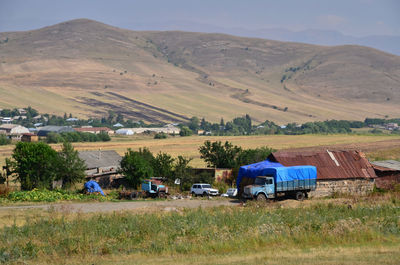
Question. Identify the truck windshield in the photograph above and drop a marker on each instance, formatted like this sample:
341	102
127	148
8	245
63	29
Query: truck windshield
207	186
260	181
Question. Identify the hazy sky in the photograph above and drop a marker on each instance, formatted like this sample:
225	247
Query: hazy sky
352	17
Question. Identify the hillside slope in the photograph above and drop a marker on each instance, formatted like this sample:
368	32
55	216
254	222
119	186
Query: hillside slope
87	68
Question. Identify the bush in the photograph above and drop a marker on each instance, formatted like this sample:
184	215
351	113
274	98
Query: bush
4	140
185	131
160	135
36	195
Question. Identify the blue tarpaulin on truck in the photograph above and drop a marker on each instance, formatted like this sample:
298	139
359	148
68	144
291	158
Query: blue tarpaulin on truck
93	186
278	171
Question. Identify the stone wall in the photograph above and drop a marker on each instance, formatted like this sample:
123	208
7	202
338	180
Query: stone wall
344	186
388	182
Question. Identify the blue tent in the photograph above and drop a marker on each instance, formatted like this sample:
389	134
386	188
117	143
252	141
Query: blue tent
277	170
93	186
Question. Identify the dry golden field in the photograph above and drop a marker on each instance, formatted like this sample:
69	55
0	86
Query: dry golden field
188	146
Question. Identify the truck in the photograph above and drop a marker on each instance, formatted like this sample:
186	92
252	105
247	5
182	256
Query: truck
152	188
271	180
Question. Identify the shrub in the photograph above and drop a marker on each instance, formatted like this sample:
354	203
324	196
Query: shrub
160	135
4	140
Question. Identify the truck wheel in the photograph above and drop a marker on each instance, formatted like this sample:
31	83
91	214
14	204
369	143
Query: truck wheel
261	197
300	196
205	194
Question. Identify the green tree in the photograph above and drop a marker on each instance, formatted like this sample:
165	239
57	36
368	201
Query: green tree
163	166
250	156
35	165
183	172
194	124
136	167
220	155
185	131
71	169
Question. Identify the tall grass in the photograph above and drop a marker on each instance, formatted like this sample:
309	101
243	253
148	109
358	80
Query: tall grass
202	231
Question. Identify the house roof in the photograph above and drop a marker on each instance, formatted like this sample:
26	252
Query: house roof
386	165
43	131
9	126
93	129
99	159
330	164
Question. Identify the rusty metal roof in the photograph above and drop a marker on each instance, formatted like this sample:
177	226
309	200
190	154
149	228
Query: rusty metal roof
330	164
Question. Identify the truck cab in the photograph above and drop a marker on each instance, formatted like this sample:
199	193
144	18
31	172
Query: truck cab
153	188
263	188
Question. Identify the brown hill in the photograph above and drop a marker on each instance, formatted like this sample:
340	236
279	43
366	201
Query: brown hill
87	68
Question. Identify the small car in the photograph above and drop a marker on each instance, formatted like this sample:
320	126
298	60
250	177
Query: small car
203	189
232	192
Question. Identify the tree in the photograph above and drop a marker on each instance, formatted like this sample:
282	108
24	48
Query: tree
185	131
183	172
136	167
194	123
163	166
218	155
71	169
250	156
35	165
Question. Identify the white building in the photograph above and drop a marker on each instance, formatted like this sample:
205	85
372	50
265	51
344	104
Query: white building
13	129
124	132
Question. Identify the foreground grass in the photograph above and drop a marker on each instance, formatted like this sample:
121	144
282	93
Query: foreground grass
235	232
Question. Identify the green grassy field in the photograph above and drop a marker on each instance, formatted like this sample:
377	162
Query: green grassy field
326	232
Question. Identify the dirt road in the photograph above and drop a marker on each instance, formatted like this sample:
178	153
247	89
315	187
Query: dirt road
167	205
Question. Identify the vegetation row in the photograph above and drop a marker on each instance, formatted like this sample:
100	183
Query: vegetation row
202	231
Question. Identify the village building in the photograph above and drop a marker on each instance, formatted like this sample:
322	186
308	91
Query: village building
124	132
102	166
29	137
167	130
337	171
13	129
44	131
6	120
95	130
391	126
388	172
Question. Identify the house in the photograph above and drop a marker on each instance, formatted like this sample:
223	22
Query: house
166	130
6	120
102	166
388	172
43	131
337	171
391	126
72	119
95	130
29	137
124	132
13	129
118	125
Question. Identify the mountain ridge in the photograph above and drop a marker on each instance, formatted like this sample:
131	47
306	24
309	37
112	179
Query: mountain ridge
193	74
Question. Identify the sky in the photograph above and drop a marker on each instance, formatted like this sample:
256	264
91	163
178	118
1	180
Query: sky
351	17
